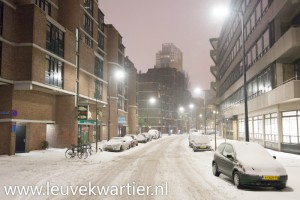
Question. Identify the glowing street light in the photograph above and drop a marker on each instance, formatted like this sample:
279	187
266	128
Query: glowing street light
152	101
118	75
222	9
199	91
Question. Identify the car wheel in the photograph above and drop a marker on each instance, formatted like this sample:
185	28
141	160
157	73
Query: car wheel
281	187
236	180
215	169
121	149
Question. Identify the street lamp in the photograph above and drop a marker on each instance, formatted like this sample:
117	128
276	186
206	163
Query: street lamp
191	106
225	11
152	101
118	75
215	113
198	91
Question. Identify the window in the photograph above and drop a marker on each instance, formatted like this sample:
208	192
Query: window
88	28
250	122
228	150
88	6
44	5
271	127
221	147
290	123
266	40
1	18
241	129
258	11
54	72
98	67
253	21
0	56
1	30
101	41
98	89
54	40
101	21
258	128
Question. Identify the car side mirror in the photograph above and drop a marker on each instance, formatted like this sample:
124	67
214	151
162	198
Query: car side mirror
229	157
274	157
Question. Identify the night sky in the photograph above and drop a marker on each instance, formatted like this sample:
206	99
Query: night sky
188	24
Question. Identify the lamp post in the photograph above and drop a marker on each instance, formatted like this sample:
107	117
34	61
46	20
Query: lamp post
245	79
198	91
219	11
118	75
191	106
215	113
152	101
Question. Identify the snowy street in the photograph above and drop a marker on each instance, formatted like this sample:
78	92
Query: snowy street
166	162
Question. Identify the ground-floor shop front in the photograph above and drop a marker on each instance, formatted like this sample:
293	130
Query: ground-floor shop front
276	127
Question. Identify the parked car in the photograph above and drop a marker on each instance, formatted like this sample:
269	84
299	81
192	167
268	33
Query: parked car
117	144
132	139
148	136
200	142
141	138
154	133
248	164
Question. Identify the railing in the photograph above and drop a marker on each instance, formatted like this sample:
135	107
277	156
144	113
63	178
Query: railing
289	139
271	137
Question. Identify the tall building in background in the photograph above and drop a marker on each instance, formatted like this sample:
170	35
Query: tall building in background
170	89
272	59
169	56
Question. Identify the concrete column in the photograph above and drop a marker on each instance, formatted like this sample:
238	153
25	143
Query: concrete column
280	130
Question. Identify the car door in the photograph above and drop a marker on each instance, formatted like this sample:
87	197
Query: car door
219	158
228	160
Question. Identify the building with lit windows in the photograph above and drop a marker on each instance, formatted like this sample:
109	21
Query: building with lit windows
169	56
169	88
54	66
272	59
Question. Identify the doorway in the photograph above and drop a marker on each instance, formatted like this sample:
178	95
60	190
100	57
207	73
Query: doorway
20	139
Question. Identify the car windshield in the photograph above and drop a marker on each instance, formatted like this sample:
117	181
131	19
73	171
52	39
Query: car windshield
252	153
115	140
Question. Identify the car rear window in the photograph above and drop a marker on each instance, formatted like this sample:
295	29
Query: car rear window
221	147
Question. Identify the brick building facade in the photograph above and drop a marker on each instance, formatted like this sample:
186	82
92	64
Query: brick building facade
54	60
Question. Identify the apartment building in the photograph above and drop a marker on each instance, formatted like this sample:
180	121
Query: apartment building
54	70
272	60
169	56
169	89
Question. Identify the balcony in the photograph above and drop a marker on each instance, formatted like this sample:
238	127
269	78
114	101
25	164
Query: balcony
287	48
213	71
213	55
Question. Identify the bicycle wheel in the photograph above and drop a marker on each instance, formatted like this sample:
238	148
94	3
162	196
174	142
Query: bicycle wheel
69	153
84	153
79	154
92	150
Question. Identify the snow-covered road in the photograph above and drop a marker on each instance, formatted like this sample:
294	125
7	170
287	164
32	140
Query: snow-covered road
168	164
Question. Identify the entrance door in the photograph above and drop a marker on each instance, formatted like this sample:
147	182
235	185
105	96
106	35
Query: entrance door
20	139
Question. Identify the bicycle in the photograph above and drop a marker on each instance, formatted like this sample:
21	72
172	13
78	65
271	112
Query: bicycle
91	149
80	151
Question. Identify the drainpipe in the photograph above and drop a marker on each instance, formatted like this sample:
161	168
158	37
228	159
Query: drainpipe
77	75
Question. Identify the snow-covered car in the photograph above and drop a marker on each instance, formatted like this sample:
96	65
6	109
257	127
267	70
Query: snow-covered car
200	142
148	136
248	164
132	139
141	138
154	133
117	144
